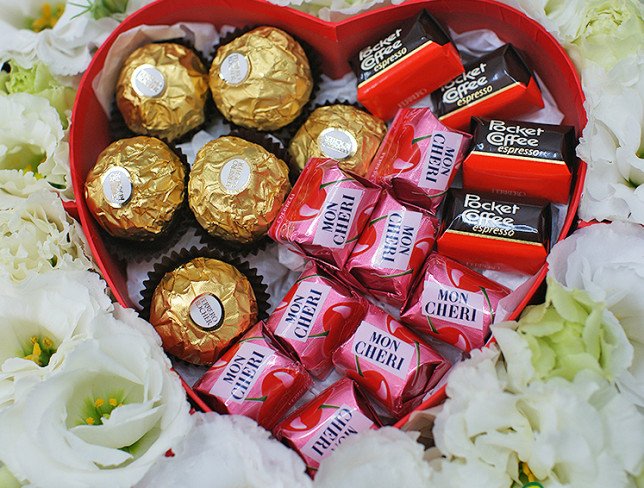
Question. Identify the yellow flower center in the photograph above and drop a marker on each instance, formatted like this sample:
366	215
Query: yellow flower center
98	409
528	478
48	17
40	350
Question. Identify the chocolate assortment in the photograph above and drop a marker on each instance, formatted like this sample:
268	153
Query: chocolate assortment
262	79
201	307
136	188
162	90
492	232
236	189
498	84
406	65
377	212
504	152
341	132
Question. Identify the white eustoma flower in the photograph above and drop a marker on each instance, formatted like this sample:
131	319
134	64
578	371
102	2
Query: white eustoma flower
228	451
33	30
613	142
558	433
377	458
32	139
36	234
615	278
104	418
41	322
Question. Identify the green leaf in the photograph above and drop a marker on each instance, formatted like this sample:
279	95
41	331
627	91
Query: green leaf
329	183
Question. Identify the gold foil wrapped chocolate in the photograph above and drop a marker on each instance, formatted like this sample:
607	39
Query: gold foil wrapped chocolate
236	189
261	80
201	307
340	132
162	90
135	188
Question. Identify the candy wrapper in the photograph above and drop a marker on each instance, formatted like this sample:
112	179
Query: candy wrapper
314	318
390	362
521	159
325	213
255	380
497	233
392	249
419	158
499	84
316	429
409	63
453	303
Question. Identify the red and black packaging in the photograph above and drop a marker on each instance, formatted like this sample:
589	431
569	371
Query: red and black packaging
408	64
521	159
499	84
487	231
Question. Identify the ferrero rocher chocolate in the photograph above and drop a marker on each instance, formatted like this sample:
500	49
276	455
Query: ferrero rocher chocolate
261	80
136	188
236	188
201	307
162	90
340	132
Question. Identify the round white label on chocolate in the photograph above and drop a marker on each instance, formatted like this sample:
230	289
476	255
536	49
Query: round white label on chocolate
235	176
207	312
337	143
234	69
148	81
117	186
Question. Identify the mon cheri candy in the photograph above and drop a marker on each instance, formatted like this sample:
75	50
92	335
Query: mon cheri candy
393	364
316	429
325	213
419	158
255	380
392	249
453	303
315	317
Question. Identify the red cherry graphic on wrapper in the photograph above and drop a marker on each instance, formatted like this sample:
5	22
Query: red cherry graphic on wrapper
334	321
367	239
274	386
452	335
372	381
408	151
310	417
310	197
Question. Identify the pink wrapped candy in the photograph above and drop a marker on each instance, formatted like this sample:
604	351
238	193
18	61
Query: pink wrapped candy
314	318
316	429
325	213
453	303
419	158
390	362
254	380
392	250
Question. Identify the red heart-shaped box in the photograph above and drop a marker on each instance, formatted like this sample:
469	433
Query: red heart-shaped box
336	43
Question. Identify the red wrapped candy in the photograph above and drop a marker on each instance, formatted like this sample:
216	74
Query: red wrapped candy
390	362
315	317
453	303
254	380
315	430
325	213
392	249
419	158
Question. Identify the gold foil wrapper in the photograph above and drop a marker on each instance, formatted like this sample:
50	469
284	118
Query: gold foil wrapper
135	188
201	307
236	189
162	90
339	132
261	80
